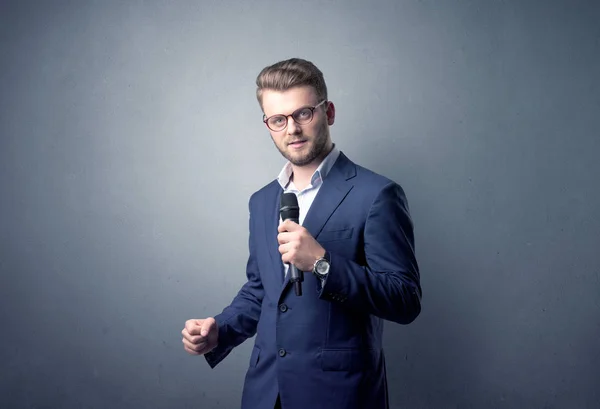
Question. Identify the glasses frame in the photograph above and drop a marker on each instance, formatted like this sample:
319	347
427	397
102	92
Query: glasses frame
312	115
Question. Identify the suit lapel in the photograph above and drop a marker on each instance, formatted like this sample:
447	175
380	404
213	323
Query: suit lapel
331	194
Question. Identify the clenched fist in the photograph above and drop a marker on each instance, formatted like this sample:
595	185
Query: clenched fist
200	336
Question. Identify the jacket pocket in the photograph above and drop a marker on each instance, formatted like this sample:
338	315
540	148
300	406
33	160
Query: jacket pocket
254	356
345	359
337	234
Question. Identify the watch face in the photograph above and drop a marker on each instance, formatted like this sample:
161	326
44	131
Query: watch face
322	267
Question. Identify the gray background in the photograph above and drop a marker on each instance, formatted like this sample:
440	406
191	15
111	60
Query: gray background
131	141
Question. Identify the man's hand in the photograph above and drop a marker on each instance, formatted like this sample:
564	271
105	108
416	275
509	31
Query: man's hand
297	246
200	336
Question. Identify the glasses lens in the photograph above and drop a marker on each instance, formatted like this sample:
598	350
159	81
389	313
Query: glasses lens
303	116
277	122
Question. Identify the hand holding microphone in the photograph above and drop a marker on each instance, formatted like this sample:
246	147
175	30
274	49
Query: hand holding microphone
296	245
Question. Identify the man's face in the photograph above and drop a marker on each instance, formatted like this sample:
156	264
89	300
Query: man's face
300	144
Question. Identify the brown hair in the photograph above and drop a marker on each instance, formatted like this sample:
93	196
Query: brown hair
290	73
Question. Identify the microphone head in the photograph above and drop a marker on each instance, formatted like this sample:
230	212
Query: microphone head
289	207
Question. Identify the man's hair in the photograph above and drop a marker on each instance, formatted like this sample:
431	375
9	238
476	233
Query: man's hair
290	73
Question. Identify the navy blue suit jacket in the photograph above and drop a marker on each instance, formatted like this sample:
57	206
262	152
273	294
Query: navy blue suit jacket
324	348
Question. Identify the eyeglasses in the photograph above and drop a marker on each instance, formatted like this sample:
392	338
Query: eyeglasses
301	116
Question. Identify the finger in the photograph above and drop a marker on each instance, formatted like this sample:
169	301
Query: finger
194	346
282	238
284	248
207	326
190	325
190	351
289	237
194	339
288	256
289	226
185	333
194	328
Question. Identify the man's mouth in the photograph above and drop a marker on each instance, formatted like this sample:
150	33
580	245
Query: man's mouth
297	143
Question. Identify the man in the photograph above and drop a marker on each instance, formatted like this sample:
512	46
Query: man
355	243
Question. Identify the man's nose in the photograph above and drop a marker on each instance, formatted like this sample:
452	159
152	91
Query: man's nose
292	127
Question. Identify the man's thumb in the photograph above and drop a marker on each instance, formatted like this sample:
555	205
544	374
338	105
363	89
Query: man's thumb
207	326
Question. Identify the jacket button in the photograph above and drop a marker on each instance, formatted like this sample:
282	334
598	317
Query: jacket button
283	308
282	352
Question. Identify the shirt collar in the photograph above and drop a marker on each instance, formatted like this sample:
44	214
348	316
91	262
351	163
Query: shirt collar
318	176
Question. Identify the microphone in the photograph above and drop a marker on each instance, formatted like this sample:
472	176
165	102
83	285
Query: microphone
289	210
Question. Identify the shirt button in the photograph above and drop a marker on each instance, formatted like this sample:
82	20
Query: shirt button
282	352
283	308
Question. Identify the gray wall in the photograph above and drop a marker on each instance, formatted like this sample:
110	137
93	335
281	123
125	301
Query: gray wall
131	141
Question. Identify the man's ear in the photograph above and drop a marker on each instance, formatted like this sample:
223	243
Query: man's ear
330	113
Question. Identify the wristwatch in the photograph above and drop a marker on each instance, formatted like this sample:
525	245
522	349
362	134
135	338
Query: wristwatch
321	267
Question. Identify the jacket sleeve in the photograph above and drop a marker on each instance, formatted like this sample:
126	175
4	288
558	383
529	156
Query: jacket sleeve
388	285
238	321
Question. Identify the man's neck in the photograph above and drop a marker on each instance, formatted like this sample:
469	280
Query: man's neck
301	175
